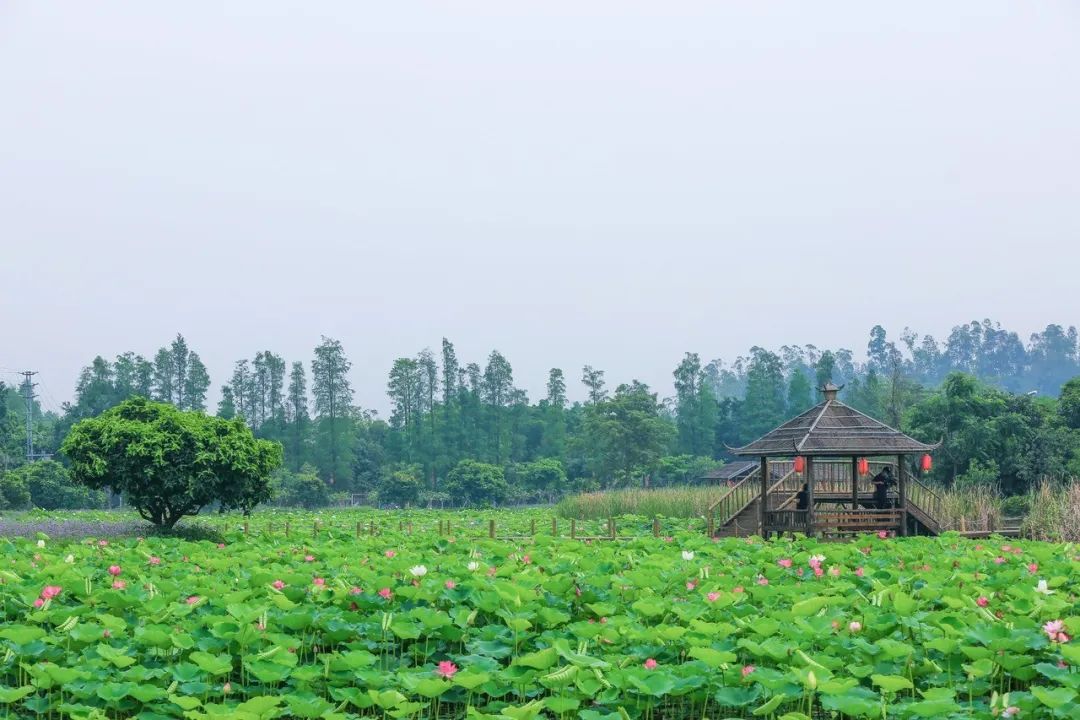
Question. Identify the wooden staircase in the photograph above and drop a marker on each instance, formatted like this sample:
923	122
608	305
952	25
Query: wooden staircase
737	512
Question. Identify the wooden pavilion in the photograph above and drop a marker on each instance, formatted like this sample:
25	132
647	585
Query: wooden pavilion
814	475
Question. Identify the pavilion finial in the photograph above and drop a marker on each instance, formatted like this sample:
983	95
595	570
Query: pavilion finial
830	391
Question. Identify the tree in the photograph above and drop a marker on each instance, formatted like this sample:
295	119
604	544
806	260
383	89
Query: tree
303	488
1069	403
765	405
498	390
296	415
543	476
594	381
333	407
626	434
169	463
196	384
799	397
51	487
476	483
226	405
401	487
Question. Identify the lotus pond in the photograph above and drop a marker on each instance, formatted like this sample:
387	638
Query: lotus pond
426	625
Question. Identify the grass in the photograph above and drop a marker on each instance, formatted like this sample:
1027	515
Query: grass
676	502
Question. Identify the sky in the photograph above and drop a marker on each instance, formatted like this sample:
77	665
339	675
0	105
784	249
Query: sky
612	182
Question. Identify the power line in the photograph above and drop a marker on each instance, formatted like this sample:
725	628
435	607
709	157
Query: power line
28	394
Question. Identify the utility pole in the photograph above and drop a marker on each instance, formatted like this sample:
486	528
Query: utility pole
28	394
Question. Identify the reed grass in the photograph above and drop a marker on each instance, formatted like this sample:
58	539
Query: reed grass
675	502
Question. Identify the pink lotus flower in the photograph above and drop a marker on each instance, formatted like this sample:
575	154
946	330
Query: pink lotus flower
319	582
450	584
818	572
192	599
1033	568
38	602
119	584
51	591
999	560
355	590
114	570
762	580
650	664
603	621
1010	711
737	589
747	670
883	535
713	596
277	584
859	572
221	546
154	560
784	562
1055	629
690	585
309	558
799	572
835	571
385	593
854	626
390	554
982	601
102	543
446	669
106	634
526	559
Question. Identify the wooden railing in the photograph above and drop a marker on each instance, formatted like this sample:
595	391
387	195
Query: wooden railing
785	520
858	520
736	499
924	499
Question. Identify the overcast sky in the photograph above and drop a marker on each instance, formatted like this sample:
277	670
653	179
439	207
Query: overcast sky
611	183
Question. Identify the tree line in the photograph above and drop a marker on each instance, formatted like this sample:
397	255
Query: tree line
464	431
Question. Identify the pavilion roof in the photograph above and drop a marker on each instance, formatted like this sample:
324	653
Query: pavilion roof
831	428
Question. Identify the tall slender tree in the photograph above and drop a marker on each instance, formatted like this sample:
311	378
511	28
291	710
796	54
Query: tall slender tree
333	407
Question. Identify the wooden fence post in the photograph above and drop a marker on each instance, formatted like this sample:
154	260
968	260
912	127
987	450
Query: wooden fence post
611	527
373	531
245	528
532	527
554	527
656	527
286	528
712	525
573	528
315	527
491	529
359	529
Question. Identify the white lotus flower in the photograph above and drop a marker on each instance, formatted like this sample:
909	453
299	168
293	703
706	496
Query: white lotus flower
1042	588
69	559
473	566
418	571
41	543
687	554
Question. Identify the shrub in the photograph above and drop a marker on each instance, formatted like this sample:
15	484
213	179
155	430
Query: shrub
14	491
400	487
51	488
476	483
303	489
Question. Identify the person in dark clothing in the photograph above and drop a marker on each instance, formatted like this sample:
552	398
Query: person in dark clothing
803	498
882	481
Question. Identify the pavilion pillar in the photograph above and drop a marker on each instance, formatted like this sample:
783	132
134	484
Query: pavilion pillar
854	483
902	493
763	506
809	497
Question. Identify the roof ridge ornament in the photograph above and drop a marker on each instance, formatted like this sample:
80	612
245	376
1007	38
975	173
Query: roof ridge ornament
829	390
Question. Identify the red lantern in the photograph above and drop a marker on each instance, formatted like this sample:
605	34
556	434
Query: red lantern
927	463
800	464
864	466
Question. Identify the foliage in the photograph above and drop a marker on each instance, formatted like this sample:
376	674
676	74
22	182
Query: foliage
14	491
341	625
169	463
51	487
301	489
475	483
401	487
